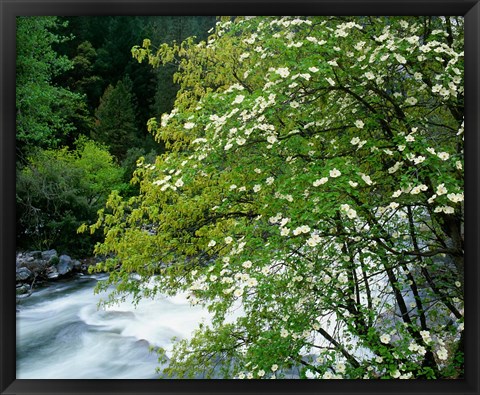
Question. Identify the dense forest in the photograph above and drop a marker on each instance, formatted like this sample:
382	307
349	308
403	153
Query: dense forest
301	178
82	106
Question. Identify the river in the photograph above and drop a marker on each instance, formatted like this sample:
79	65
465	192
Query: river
61	334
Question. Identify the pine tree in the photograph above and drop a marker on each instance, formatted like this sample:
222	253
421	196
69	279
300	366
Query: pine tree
115	119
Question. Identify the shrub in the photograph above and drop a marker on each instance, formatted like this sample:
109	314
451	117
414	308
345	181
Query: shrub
57	190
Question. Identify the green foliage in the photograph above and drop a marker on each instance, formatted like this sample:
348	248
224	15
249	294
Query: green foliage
115	125
99	49
58	190
82	78
129	164
311	197
46	113
64	65
169	29
108	60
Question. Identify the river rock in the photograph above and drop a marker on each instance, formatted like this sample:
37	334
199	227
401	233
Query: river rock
50	256
65	265
35	266
36	254
22	289
52	273
19	259
31	260
46	265
23	274
23	258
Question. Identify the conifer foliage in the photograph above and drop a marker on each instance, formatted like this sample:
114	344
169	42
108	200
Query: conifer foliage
115	119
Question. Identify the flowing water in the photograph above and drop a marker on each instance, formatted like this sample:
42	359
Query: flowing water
61	334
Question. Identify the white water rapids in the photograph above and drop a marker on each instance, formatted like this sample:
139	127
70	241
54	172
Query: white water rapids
61	334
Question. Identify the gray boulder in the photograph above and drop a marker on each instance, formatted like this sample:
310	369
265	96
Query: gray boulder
31	260
36	254
23	274
22	289
23	258
52	272
50	256
35	266
65	265
19	259
45	265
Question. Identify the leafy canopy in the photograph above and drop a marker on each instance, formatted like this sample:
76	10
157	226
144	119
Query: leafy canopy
45	112
57	190
313	185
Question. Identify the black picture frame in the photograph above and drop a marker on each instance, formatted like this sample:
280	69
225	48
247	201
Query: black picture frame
9	9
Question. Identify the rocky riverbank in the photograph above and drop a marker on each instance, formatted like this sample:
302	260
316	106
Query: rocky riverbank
34	268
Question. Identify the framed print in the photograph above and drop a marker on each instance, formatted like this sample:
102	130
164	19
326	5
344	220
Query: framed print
202	201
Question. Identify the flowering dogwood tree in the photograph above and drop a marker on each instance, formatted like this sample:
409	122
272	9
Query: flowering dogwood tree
313	181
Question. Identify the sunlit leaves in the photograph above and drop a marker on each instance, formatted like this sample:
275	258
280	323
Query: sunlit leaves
300	194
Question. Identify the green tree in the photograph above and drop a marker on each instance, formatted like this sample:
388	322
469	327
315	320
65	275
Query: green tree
116	125
169	29
100	50
58	190
45	112
82	78
313	184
